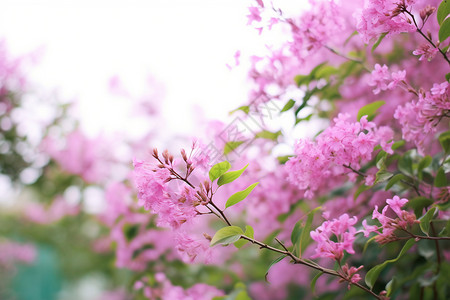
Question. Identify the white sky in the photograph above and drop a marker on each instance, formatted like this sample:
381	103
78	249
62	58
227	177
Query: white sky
183	44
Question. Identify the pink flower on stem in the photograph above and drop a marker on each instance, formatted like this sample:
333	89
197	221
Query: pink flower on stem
386	232
426	51
350	274
379	78
343	230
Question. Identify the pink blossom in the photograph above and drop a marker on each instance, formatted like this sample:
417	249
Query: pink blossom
380	77
397	78
343	230
254	15
426	51
192	249
379	16
386	232
350	274
89	158
344	144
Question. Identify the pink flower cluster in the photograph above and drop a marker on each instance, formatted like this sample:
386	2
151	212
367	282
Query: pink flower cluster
350	274
89	158
12	252
426	51
386	232
316	27
173	206
339	147
173	198
419	120
344	232
166	290
383	16
58	209
383	80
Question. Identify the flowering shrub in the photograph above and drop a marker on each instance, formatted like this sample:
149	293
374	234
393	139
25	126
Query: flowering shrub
227	218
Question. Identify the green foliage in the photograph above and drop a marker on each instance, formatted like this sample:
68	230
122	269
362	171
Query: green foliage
444	31
274	262
300	237
265	134
370	110
218	170
313	283
230	176
227	235
283	159
290	104
231	146
444	140
373	273
395	179
239	196
440	180
377	43
245	109
443	11
239	293
249	232
426	219
418	204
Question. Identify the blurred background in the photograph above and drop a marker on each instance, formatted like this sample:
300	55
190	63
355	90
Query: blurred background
85	87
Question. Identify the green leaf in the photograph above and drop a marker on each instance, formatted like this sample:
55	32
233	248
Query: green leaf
372	275
426	219
377	43
443	11
313	283
277	260
440	180
283	159
424	163
447	76
302	79
288	106
316	69
398	144
396	178
227	235
444	139
382	175
245	109
230	176
360	189
230	146
239	196
305	238
444	31
242	295
350	37
370	110
405	163
325	72
296	232
265	134
391	286
218	170
249	232
418	204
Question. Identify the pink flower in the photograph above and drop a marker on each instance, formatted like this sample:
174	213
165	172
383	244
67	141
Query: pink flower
379	16
426	51
386	232
379	78
343	230
254	15
397	78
